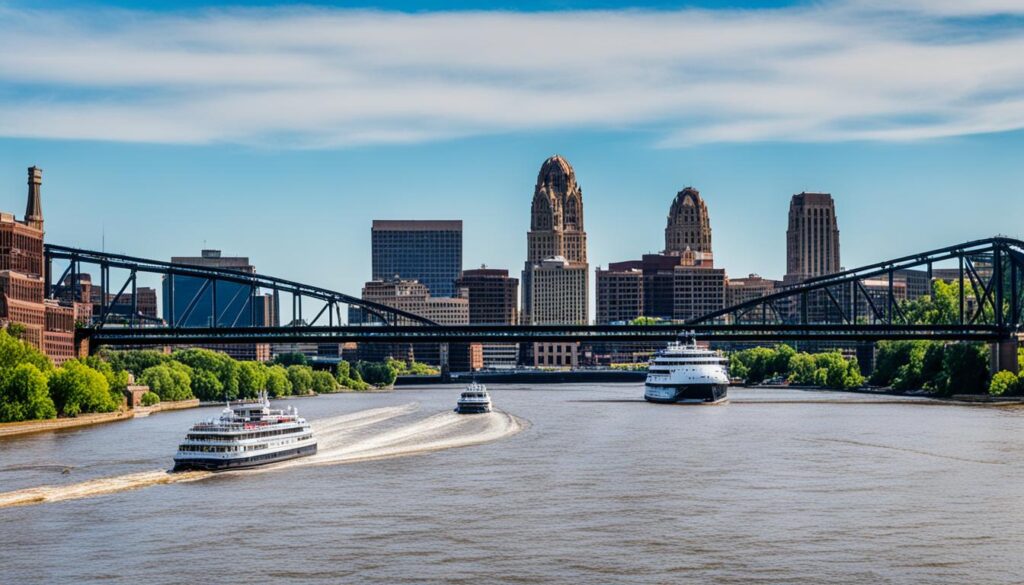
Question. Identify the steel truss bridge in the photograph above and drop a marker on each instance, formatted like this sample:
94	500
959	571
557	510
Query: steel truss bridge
858	305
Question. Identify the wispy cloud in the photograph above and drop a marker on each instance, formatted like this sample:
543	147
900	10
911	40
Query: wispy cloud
853	70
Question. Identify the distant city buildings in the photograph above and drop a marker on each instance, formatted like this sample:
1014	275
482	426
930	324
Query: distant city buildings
741	290
428	251
679	284
556	273
194	302
412	296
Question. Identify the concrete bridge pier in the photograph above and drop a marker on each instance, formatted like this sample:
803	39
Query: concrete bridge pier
1003	356
866	357
446	374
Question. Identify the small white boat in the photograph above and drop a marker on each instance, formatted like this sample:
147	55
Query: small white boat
474	400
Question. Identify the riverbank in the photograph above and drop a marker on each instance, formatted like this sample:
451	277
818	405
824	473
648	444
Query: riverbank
975	399
13	429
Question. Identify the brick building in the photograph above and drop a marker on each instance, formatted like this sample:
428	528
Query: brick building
493	300
49	324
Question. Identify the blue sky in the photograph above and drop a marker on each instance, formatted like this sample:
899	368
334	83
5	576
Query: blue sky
279	132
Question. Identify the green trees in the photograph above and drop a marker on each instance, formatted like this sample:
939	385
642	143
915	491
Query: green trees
149	399
964	369
828	369
377	373
171	381
135	361
324	382
301	378
1003	383
291	359
14	352
215	374
24	395
76	388
349	377
252	378
414	369
117	381
206	386
24	391
757	364
955	368
277	382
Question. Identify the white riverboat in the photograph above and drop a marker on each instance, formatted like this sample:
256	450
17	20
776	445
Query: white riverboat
474	400
686	373
246	434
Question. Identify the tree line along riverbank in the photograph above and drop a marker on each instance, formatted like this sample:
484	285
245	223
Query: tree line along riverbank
32	387
942	369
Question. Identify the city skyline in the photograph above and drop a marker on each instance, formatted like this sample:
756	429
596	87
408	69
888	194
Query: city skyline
305	212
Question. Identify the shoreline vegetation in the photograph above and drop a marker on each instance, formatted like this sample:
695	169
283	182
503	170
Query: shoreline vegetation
32	388
920	368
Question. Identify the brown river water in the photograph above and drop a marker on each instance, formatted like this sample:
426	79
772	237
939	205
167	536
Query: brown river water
567	484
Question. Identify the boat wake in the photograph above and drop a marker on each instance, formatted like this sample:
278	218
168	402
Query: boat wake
347	438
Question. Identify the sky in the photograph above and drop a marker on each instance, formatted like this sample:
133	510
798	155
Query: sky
280	131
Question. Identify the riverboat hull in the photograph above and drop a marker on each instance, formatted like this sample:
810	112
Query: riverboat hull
686	393
212	464
473	408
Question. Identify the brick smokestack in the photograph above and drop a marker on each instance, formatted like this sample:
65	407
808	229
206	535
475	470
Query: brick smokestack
34	207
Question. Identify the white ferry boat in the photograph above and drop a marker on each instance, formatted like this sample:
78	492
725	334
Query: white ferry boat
246	434
474	400
686	373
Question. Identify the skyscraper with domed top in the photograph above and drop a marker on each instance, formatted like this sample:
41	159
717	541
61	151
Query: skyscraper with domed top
556	215
688	226
555	276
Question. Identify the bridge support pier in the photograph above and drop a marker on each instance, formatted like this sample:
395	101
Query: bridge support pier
866	357
83	348
1003	356
446	374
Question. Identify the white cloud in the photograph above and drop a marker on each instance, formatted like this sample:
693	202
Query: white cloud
853	70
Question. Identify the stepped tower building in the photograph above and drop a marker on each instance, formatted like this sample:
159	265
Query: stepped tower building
556	274
688	226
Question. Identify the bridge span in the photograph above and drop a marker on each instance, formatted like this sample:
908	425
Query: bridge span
858	305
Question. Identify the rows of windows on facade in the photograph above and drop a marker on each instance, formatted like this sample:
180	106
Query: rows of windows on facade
46	321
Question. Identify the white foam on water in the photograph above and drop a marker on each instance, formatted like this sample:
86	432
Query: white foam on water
445	430
96	487
341	439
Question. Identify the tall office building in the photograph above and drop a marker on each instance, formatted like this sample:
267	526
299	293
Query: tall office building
620	292
812	239
493	300
688	226
556	273
192	302
425	250
493	296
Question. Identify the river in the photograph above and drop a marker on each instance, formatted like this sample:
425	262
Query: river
570	484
